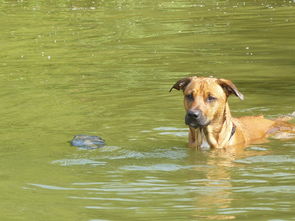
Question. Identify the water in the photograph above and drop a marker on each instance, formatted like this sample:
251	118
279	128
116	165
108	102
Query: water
104	68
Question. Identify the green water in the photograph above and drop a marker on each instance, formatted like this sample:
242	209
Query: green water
104	68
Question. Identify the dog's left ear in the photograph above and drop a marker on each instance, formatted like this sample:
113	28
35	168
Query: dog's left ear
181	84
230	88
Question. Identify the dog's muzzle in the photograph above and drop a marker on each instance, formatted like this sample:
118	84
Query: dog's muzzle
196	119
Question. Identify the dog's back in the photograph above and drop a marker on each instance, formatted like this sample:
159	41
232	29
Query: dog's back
253	127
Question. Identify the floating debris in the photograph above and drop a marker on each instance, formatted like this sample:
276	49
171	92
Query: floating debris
87	142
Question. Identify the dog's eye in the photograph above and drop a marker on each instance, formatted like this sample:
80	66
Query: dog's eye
211	98
190	97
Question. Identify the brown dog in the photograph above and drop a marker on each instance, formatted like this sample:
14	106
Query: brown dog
209	119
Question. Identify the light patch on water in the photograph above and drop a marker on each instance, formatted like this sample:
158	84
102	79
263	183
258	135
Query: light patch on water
109	148
264	189
87	184
49	187
82	8
178	134
110	208
106	199
157	167
161	153
249	181
267	159
243	210
257	148
74	162
169	129
285	176
145	131
98	207
251	109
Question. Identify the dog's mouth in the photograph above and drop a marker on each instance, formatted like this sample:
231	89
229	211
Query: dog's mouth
196	122
197	125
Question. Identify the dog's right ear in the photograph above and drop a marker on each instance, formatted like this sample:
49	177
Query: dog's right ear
181	84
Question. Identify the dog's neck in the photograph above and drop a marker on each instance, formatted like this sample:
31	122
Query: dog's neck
201	139
218	134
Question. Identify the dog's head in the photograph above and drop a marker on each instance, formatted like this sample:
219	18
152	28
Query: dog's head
205	99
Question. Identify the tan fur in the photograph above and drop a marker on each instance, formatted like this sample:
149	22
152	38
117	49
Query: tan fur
218	134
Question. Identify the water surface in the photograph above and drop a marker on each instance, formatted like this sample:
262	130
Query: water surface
104	68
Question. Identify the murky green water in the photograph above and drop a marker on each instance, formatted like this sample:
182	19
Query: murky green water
105	68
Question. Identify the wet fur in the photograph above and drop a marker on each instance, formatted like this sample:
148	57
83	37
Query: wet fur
219	132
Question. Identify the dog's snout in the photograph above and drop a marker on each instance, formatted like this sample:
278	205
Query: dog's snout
195	118
194	114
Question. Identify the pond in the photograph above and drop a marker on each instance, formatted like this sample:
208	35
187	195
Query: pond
104	68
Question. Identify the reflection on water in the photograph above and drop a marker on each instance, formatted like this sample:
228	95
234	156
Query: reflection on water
104	68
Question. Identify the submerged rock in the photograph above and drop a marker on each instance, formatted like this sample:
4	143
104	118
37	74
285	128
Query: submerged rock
87	142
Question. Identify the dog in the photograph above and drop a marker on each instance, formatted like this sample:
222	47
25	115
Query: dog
209	119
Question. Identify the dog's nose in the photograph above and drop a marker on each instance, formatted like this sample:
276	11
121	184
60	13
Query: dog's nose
194	114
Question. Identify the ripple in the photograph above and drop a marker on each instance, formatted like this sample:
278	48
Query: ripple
179	132
243	210
74	162
157	167
267	159
257	148
258	109
169	129
49	187
105	199
162	153
274	189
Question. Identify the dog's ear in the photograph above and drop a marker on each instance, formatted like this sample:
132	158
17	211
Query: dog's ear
181	84
230	88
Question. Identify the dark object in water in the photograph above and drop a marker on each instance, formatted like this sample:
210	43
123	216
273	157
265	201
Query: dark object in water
87	142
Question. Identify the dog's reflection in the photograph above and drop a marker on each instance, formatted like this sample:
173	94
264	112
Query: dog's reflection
215	178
